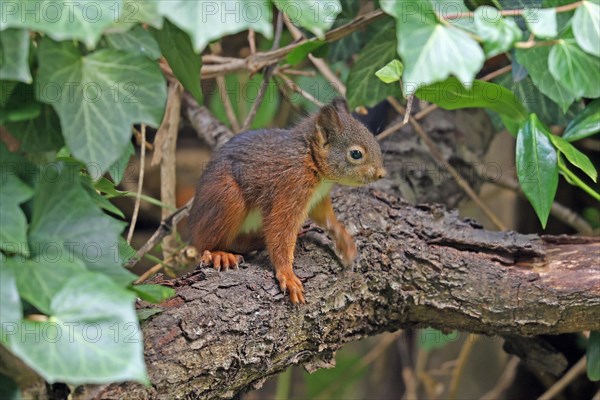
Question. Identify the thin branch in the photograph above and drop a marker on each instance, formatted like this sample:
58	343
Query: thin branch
136	208
294	87
266	76
252	41
563	382
497	73
165	228
439	157
505	380
224	95
559	211
320	64
138	138
465	351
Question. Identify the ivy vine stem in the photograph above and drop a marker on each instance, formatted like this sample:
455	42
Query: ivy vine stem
571	177
508	13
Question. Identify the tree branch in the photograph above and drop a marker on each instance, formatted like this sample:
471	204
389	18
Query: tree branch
419	266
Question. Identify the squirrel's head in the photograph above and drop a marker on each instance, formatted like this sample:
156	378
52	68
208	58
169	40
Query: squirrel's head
347	152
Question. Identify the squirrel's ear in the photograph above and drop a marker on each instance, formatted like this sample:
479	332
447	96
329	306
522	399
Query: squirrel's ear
328	123
341	104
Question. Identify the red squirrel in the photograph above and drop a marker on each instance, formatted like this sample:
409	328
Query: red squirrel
261	186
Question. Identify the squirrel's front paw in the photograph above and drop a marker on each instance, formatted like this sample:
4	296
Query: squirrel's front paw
221	260
345	245
288	281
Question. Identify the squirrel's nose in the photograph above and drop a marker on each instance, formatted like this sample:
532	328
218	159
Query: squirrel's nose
381	173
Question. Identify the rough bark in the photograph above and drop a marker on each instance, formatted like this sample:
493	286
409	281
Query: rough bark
419	266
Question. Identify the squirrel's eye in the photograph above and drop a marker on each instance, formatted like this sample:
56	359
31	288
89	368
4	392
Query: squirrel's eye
356	154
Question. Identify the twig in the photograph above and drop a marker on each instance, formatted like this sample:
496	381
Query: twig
293	86
321	65
266	76
371	356
138	138
165	228
497	73
558	210
252	41
505	380
224	95
408	374
154	269
257	61
465	351
136	208
409	103
289	71
563	382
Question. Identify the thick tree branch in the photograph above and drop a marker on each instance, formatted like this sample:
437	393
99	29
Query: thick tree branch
418	266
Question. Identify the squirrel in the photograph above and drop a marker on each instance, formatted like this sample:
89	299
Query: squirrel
261	186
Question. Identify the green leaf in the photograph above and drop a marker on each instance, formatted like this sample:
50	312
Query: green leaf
451	95
586	27
537	167
392	72
98	97
10	303
430	51
153	293
41	278
83	20
22	112
13	230
117	170
541	22
301	52
430	339
177	48
498	33
363	86
346	47
135	12
39	134
63	213
536	62
593	356
14	63
575	69
146	313
206	21
138	41
6	90
92	335
575	157
585	124
316	16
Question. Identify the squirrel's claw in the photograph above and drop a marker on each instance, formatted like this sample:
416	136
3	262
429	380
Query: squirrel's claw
221	260
288	281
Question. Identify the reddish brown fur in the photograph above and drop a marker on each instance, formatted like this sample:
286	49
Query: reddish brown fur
277	171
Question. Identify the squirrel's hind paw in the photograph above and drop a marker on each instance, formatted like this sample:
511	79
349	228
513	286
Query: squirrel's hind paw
221	260
290	282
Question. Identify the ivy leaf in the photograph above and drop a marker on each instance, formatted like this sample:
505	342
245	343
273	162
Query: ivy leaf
83	20
63	213
541	22
301	52
593	356
586	27
498	33
137	41
392	72
585	123
14	63
431	52
575	157
346	47
536	62
146	313
451	95
92	335
153	293
364	88
205	21
136	12
40	279
537	167
177	48
13	230
98	97
10	303
316	16
575	69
